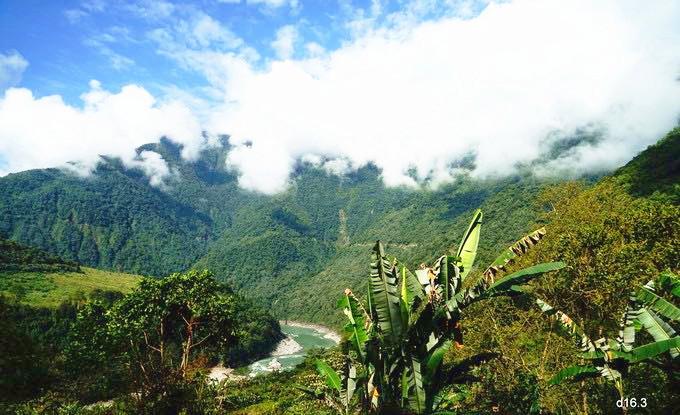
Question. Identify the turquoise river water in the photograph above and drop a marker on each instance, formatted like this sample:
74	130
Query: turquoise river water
307	338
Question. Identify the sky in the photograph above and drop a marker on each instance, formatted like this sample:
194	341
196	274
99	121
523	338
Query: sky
418	88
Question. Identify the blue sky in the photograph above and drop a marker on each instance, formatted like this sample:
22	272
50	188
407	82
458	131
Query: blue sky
69	43
411	86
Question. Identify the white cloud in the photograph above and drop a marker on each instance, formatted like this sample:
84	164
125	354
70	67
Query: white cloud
101	43
12	66
46	132
275	3
284	44
94	5
206	31
74	15
423	95
151	9
154	166
407	94
314	49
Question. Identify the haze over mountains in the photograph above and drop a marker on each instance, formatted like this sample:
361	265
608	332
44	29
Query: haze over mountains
293	249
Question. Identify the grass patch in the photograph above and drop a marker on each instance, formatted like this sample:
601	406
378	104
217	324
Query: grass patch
42	289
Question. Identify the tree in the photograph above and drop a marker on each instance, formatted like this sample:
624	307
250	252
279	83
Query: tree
611	358
159	330
398	338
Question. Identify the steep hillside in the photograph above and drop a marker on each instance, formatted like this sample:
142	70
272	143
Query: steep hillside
112	219
655	173
275	249
615	235
419	231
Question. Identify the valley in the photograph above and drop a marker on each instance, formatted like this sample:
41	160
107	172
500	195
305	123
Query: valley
80	256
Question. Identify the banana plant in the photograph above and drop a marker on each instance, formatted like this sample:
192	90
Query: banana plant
397	339
611	358
342	388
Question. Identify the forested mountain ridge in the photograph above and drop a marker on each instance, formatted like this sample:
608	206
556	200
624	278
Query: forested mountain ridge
272	247
308	242
655	172
111	219
295	252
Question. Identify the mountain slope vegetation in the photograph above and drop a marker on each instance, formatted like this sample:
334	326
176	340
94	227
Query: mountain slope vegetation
307	242
297	251
112	219
262	245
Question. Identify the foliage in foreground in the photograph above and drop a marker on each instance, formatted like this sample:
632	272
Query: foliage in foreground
151	346
611	359
614	243
398	338
161	333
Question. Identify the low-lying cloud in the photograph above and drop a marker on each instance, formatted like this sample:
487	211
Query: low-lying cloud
502	89
46	132
500	86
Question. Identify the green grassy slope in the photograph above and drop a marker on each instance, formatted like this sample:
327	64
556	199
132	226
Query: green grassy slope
49	289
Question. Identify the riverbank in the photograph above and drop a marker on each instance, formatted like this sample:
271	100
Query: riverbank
327	332
288	353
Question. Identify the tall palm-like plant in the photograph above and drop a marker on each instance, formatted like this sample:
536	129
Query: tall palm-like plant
611	358
398	337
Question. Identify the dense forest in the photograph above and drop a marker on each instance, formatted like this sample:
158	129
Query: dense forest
433	319
308	236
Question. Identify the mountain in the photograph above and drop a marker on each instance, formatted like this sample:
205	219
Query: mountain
655	173
294	251
112	219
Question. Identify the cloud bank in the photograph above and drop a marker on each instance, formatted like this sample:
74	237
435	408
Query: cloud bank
504	89
504	86
46	132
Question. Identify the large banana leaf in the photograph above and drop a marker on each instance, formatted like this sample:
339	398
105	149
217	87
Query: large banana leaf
651	350
626	338
410	291
351	384
522	276
356	326
385	295
467	250
373	392
574	373
610	373
434	361
416	395
658	304
331	376
441	269
657	328
515	250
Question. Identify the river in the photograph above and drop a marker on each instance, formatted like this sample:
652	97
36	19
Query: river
300	338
